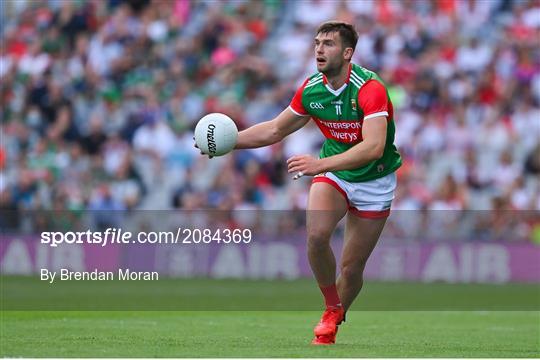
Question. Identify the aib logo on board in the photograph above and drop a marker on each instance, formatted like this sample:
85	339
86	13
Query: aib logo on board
316	105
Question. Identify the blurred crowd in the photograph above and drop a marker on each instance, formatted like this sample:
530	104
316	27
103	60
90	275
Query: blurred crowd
99	99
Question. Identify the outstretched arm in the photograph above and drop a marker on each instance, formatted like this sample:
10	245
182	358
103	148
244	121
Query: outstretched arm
271	132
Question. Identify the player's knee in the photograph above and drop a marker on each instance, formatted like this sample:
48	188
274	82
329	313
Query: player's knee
352	272
317	240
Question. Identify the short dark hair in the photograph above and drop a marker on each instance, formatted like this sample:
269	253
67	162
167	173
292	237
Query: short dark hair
346	31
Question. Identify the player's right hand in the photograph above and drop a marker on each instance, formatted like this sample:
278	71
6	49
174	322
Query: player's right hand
304	165
195	145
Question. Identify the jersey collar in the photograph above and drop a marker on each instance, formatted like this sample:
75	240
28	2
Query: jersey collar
340	90
325	80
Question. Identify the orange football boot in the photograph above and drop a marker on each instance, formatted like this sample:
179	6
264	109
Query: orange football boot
331	318
326	329
324	339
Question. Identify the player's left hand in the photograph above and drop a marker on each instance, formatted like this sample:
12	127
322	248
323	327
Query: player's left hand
304	165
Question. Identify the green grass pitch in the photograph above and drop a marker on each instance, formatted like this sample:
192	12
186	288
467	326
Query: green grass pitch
214	331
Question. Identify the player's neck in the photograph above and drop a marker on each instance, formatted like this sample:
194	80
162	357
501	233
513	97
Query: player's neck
336	80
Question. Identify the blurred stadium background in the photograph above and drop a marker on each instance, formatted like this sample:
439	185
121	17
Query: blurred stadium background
99	99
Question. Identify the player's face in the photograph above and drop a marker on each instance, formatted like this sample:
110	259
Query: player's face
329	53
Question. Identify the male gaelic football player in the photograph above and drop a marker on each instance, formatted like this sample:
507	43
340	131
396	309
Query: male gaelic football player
354	175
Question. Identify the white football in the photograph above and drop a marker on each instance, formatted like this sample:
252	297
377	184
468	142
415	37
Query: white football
216	134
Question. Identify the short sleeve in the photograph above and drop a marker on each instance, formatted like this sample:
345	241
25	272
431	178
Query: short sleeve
296	103
373	100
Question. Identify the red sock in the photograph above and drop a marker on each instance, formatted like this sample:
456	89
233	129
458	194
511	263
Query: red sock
331	297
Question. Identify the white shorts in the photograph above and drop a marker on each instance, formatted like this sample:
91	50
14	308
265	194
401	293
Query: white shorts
368	199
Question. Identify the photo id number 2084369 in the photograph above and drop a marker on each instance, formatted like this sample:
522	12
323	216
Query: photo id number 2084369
219	236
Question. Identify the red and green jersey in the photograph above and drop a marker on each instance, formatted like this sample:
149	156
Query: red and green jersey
340	113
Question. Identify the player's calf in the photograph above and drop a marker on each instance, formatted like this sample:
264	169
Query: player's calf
349	283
